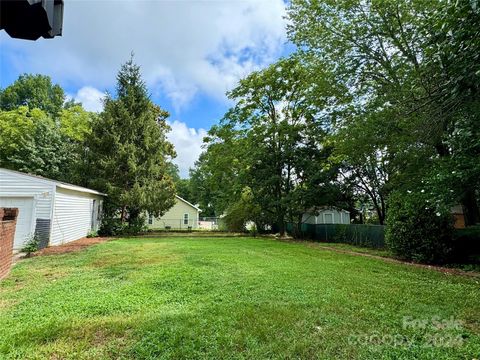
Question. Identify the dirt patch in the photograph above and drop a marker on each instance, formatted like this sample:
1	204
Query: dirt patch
73	246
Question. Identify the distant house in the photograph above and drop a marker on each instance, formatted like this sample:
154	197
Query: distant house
458	216
183	215
54	212
326	215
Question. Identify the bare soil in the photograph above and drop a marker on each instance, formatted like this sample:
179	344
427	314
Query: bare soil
73	246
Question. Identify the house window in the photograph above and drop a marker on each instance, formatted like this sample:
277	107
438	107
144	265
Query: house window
185	219
150	219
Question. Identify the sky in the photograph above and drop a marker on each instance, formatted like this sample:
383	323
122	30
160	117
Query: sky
190	52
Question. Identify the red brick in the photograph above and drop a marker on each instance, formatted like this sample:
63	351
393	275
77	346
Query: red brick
8	222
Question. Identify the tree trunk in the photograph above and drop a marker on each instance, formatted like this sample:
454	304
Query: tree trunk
381	212
281	224
124	213
133	216
300	223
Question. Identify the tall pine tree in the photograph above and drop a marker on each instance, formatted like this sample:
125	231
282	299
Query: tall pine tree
128	151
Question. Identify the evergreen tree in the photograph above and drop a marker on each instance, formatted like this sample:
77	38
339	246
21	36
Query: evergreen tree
128	152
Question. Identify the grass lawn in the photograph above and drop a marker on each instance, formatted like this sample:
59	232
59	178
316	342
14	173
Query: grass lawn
233	298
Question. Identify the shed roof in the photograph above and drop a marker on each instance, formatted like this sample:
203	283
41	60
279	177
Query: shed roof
60	184
323	208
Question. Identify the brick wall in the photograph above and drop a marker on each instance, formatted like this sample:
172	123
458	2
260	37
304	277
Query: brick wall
8	221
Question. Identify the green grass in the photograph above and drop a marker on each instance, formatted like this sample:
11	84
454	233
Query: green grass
227	298
473	265
358	249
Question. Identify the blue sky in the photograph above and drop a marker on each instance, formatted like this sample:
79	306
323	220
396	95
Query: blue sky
191	53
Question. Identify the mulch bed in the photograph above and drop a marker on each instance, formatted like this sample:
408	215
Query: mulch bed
73	246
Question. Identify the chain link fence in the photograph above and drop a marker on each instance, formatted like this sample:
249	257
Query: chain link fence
204	223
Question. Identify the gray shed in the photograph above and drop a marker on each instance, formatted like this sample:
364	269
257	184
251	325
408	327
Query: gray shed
326	215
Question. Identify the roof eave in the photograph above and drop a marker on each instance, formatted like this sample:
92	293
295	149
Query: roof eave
189	203
80	189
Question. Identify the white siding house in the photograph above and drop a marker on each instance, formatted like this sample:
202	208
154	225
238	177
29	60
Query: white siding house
53	211
326	215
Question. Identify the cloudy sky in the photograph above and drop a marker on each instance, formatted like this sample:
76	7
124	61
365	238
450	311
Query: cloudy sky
190	52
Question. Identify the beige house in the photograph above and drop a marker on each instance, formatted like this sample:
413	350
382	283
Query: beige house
182	215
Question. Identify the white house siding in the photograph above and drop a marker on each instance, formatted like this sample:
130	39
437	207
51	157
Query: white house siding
72	215
15	189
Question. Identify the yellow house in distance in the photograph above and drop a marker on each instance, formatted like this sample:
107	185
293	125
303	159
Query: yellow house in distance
181	216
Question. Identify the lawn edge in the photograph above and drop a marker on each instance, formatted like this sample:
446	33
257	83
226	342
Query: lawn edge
442	269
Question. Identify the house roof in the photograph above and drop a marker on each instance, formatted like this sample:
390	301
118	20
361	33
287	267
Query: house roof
60	184
188	203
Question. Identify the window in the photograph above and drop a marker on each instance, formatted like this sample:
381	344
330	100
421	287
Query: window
185	219
150	219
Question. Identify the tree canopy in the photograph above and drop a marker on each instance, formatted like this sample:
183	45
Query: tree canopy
380	97
33	91
412	72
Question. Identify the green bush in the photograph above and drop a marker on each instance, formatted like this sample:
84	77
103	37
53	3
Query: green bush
241	212
113	226
92	234
31	245
417	230
466	244
135	226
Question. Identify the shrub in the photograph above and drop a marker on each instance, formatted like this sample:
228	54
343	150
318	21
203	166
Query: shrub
92	234
31	245
113	226
135	226
466	244
417	230
242	212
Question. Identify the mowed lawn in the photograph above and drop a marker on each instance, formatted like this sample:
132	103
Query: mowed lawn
229	298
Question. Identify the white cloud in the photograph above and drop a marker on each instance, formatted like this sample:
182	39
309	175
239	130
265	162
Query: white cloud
188	143
90	98
184	47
